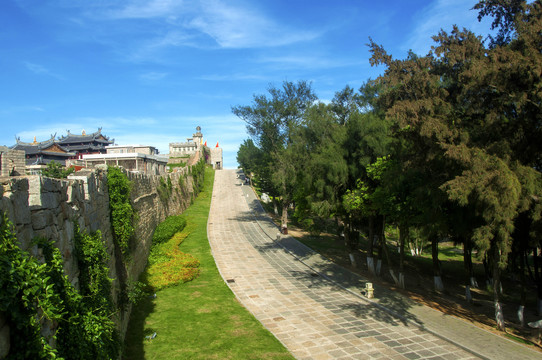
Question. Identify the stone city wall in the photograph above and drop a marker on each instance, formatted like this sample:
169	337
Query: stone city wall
12	162
45	207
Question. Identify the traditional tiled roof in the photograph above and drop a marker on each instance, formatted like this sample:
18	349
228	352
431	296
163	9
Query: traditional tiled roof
97	137
63	148
42	147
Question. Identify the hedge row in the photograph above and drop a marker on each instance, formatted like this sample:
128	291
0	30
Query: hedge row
169	227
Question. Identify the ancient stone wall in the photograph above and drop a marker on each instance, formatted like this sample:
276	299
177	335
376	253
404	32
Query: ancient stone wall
12	162
44	207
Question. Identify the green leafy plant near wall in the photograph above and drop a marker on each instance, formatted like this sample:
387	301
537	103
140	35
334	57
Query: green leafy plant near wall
198	176
38	295
165	189
122	213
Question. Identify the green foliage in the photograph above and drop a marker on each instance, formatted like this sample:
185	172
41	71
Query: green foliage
169	184
26	291
166	229
271	121
94	281
136	291
167	265
90	332
177	165
56	170
122	213
163	190
38	294
249	157
198	176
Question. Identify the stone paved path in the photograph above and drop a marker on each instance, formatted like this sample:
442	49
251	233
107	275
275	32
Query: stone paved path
313	307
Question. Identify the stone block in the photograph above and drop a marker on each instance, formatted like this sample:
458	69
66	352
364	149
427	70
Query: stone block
21	211
48	232
24	234
68	232
7	207
64	244
47	184
42	219
34	201
20	184
74	192
49	200
34	185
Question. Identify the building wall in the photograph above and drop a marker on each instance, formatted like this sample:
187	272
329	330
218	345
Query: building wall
216	158
45	207
147	150
147	164
182	148
12	160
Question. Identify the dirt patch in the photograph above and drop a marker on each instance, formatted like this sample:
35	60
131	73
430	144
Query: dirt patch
195	295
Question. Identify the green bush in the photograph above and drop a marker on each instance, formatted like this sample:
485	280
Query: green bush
56	170
34	292
165	230
122	213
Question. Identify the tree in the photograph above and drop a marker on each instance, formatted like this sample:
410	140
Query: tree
249	157
271	122
368	138
322	172
56	170
472	115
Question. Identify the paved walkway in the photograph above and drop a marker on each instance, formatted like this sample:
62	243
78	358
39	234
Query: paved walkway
315	308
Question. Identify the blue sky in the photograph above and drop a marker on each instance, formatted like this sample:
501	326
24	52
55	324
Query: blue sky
150	71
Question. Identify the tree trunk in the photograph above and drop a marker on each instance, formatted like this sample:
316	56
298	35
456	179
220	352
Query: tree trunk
403	234
538	280
522	259
284	218
499	315
386	253
370	257
470	281
379	230
439	286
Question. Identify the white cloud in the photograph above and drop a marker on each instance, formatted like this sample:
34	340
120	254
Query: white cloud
45	130
242	27
310	62
234	77
41	70
228	24
147	9
153	76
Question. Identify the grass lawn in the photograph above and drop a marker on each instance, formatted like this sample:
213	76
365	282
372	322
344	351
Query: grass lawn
200	319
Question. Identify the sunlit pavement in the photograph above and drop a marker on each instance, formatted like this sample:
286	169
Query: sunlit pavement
315	308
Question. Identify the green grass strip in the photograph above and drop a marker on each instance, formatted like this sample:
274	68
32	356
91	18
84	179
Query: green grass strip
200	319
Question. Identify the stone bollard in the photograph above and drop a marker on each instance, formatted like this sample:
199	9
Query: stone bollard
369	291
536	331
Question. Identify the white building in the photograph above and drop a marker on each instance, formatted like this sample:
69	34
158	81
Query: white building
131	161
191	146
